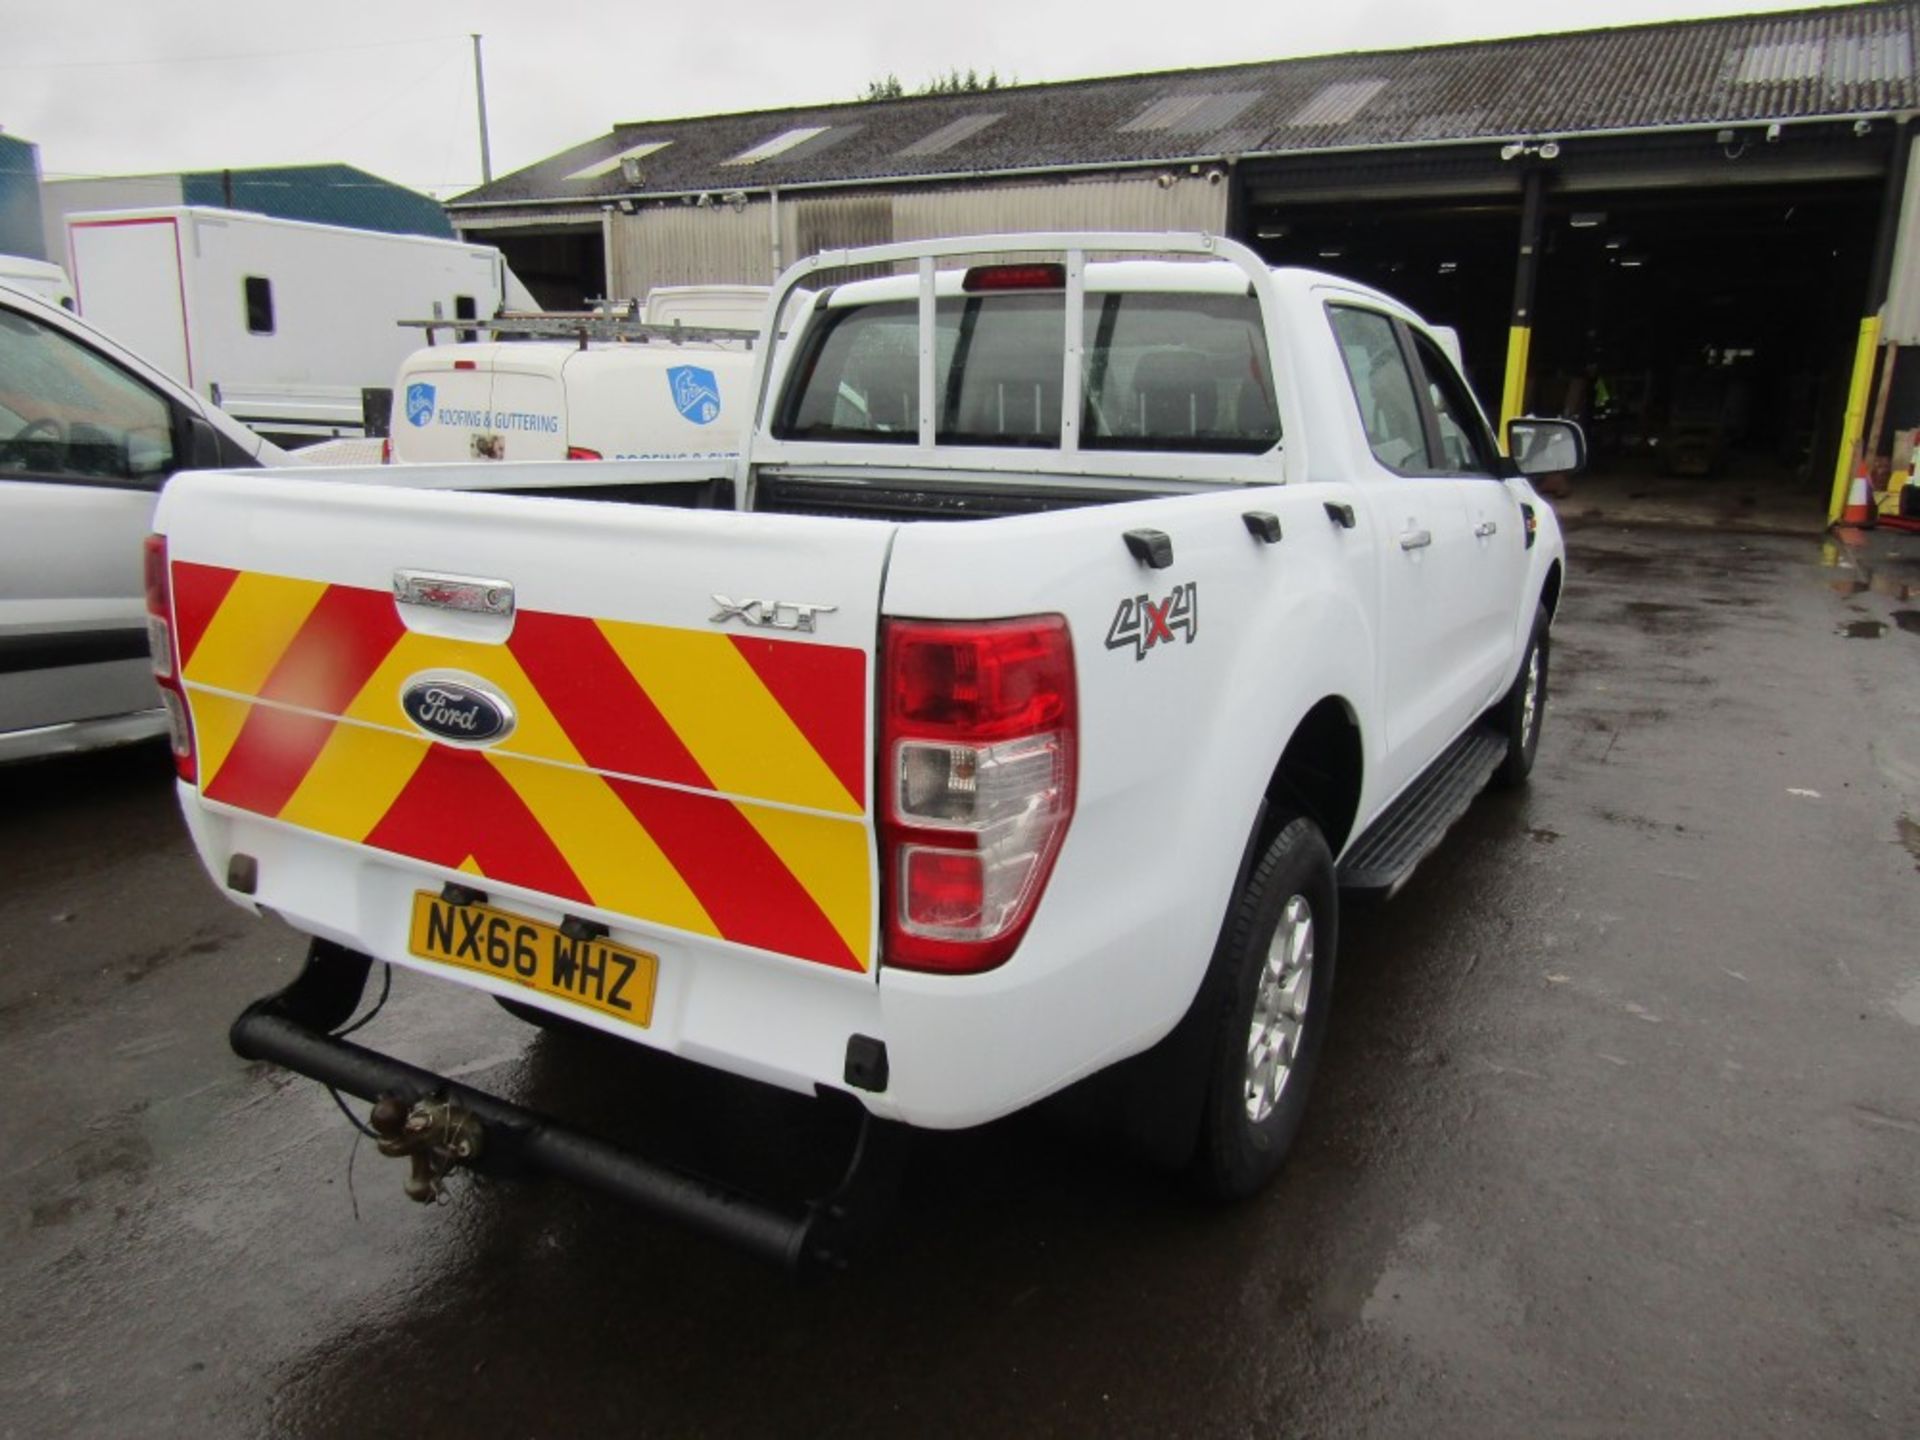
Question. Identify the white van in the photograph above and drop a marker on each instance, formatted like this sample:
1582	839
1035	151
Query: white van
634	398
281	323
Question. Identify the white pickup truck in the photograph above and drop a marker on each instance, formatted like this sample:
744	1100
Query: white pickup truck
1015	710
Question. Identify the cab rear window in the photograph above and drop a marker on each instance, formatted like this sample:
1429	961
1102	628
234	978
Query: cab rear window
1162	371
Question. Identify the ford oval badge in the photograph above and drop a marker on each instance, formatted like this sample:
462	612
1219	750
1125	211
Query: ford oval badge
461	709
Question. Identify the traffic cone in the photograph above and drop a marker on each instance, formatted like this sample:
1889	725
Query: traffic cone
1859	509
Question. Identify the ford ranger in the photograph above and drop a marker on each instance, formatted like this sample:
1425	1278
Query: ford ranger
1069	637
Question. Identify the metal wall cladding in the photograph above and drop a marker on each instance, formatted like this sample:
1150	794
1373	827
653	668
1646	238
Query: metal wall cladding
1187	202
720	244
1901	324
679	244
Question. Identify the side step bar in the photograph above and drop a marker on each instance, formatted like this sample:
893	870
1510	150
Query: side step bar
1380	861
292	1028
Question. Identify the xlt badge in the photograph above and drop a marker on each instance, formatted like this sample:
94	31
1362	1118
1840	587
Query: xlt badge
769	614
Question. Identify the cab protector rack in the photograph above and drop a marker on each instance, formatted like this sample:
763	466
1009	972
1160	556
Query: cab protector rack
553	325
294	1028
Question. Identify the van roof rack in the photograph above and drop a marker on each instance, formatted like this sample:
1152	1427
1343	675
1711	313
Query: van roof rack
583	326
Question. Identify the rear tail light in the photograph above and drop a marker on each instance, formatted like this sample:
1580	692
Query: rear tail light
581	452
978	734
386	449
166	668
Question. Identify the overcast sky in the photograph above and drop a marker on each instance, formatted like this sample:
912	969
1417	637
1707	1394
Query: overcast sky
132	86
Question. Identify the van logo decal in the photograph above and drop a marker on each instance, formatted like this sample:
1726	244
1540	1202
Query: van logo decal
419	403
696	394
461	708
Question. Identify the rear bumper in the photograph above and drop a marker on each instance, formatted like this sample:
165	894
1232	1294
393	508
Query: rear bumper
961	1051
293	1028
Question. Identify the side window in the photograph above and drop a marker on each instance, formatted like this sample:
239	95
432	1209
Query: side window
69	413
1389	405
259	296
1465	446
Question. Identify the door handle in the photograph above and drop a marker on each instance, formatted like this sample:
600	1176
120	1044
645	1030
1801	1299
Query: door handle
1415	539
1485	528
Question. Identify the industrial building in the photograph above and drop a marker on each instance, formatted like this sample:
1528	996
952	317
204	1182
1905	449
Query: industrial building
1685	234
328	194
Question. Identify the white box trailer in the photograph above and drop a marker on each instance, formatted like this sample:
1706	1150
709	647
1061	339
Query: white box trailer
279	322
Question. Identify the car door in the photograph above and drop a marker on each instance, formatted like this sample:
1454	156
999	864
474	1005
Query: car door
1495	578
1427	547
84	446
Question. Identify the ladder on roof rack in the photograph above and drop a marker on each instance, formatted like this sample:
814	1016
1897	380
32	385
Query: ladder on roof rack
555	325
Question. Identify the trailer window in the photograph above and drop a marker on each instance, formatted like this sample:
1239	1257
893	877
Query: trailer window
1162	372
463	309
259	296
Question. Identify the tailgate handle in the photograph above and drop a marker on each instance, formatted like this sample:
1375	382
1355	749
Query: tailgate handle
469	593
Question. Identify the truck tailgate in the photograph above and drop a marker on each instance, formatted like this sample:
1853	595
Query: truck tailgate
667	773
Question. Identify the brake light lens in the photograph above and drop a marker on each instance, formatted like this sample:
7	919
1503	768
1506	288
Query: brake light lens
386	449
581	452
165	661
1014	277
978	737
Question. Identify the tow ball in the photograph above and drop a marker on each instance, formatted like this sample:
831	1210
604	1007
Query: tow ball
433	1134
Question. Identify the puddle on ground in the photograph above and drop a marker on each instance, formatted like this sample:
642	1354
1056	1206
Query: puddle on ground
1862	629
1908	620
1909	831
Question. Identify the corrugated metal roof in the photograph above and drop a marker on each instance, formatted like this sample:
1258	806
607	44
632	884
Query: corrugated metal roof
1844	60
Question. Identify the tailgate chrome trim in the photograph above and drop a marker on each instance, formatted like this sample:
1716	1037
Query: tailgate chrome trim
470	593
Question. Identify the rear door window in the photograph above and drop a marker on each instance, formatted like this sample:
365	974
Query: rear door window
69	413
1162	371
1382	388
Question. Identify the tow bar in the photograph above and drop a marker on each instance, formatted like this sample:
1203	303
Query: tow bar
437	1123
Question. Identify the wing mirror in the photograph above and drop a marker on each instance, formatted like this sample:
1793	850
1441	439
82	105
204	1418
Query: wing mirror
203	444
1546	447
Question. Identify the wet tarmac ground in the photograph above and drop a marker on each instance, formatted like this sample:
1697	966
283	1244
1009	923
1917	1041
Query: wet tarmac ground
1618	1130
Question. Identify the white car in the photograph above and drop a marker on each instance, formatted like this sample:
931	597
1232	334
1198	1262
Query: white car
1066	640
88	434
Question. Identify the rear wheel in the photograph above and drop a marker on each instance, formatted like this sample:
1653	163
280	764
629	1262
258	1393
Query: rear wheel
1280	944
1524	709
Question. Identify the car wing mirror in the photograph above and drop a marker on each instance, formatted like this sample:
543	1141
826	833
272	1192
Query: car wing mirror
1546	447
203	444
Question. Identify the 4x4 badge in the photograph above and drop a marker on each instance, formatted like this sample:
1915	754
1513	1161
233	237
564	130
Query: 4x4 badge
1142	622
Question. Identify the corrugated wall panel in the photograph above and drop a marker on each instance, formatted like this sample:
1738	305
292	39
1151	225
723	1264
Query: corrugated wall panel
691	245
1902	325
1190	203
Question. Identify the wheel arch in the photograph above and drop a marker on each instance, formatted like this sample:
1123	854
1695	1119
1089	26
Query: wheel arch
1320	773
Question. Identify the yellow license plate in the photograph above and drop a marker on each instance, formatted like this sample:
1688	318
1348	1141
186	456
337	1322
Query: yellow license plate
596	973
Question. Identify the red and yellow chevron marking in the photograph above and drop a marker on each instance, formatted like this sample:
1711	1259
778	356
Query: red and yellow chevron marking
709	782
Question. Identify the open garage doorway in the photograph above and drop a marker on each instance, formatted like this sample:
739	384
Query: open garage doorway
1451	261
564	266
1706	339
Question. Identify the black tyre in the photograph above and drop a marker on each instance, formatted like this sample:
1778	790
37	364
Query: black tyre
1279	949
1524	710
